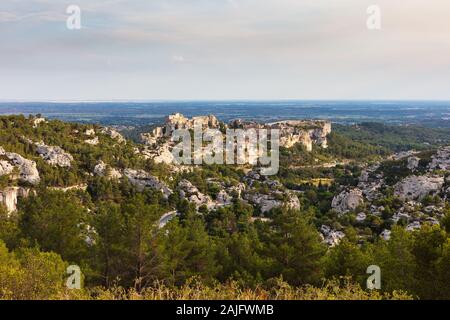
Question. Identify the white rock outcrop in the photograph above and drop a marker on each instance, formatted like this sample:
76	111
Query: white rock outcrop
289	140
403	154
114	134
178	121
89	132
150	139
5	168
38	121
102	169
223	198
237	190
401	216
331	237
192	194
27	168
159	142
267	202
54	155
413	226
141	179
417	187
361	217
292	201
441	160
163	155
386	234
347	200
94	141
413	163
305	132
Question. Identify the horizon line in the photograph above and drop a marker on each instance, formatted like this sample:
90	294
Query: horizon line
210	100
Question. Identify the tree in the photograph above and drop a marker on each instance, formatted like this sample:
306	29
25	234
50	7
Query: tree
396	260
56	221
9	229
44	273
30	274
446	220
348	259
296	248
143	259
188	251
442	288
427	249
110	247
242	258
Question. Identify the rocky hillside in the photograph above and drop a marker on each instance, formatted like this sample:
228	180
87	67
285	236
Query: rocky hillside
37	153
409	188
337	204
85	152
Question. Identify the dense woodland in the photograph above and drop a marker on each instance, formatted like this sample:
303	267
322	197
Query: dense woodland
111	229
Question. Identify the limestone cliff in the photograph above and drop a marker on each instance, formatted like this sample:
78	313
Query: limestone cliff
306	132
9	197
178	121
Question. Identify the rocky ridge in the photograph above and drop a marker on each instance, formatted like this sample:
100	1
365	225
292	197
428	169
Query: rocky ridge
305	132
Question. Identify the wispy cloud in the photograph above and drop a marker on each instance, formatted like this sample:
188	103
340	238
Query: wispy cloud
48	16
225	48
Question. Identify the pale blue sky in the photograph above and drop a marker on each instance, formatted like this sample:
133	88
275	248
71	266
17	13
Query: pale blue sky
224	49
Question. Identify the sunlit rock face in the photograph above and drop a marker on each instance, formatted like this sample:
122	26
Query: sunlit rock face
158	141
347	200
386	234
331	237
413	163
305	132
418	187
103	170
27	171
209	121
9	197
54	155
141	179
370	182
94	141
5	168
159	145
267	202
38	121
191	193
161	153
178	121
441	160
288	140
113	134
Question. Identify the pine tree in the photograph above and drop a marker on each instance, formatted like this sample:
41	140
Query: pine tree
296	248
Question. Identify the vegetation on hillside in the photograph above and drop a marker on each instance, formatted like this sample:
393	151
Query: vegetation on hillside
111	229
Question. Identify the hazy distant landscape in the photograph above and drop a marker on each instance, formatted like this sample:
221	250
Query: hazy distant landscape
429	113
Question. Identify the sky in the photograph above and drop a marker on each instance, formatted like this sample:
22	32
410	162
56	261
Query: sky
224	50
